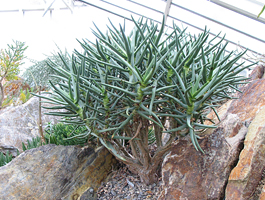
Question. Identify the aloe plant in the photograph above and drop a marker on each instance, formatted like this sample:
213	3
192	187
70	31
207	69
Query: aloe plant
34	143
125	87
5	158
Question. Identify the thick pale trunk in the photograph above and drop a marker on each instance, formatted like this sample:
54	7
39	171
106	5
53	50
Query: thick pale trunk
147	176
138	158
149	173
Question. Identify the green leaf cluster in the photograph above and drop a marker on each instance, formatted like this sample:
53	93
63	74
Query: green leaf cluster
63	134
10	59
34	143
5	158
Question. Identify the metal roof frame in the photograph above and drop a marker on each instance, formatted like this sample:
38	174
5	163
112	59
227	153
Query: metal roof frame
168	5
240	11
166	13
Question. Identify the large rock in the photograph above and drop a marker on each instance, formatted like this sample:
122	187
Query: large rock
257	72
53	172
19	124
247	175
188	174
250	101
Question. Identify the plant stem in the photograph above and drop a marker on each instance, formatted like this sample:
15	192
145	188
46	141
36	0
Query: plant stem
40	120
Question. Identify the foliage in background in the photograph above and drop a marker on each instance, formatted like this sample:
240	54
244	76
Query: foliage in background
10	60
8	101
64	134
21	98
40	73
122	86
25	95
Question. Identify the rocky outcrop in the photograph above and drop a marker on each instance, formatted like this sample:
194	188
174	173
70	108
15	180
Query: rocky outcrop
19	124
257	72
55	172
245	178
188	174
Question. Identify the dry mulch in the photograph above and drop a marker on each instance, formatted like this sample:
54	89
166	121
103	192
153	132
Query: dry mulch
122	184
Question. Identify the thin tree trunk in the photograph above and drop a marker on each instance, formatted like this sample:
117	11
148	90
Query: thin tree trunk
2	94
40	120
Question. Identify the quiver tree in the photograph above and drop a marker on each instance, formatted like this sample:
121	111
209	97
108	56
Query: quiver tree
124	88
10	60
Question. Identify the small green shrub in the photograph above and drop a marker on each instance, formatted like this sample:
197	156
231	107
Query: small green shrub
5	158
64	134
36	142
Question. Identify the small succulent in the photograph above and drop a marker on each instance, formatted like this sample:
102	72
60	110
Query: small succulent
5	158
64	134
34	143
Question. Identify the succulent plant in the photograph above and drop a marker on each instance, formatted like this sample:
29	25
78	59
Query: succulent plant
65	134
34	143
5	158
122	86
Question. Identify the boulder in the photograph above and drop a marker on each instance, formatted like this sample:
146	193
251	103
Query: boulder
19	124
257	72
250	101
55	172
246	177
189	174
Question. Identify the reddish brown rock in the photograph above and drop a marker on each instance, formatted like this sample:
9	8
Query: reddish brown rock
250	101
188	174
257	72
222	113
246	176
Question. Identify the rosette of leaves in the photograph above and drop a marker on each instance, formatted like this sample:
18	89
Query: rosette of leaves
124	85
65	134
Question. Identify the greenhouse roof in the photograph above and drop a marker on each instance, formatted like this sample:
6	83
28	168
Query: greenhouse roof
236	19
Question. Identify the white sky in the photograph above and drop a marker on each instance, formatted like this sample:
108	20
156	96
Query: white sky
41	33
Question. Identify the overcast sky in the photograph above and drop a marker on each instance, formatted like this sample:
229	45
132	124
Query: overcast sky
63	27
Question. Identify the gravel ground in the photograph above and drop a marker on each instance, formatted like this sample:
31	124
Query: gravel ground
122	184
